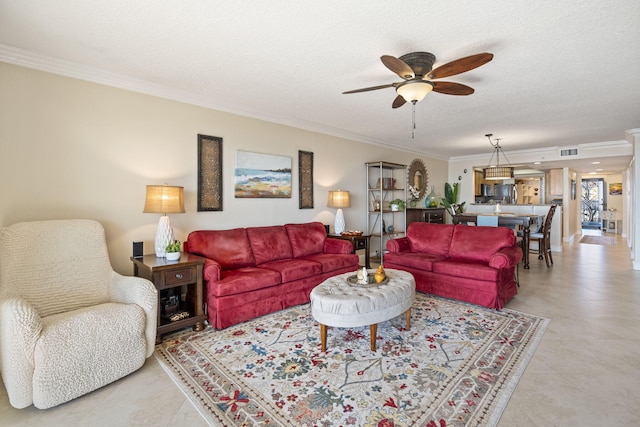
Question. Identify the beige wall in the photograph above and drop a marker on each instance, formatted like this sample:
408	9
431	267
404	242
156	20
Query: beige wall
74	149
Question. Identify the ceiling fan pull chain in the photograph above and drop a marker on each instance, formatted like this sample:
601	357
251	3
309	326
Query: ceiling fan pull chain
413	117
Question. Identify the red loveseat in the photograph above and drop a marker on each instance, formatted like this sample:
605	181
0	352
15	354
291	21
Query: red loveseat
250	272
466	263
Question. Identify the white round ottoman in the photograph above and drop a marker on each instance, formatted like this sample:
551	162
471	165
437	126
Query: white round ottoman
335	302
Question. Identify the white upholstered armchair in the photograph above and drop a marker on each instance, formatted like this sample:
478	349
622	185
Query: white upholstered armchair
69	324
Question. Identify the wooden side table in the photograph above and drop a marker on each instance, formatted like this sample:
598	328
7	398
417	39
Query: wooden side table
358	242
169	276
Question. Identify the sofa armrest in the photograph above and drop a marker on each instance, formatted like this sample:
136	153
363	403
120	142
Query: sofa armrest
337	246
506	257
402	244
212	270
21	327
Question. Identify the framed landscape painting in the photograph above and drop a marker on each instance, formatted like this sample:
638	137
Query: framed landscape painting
615	189
262	176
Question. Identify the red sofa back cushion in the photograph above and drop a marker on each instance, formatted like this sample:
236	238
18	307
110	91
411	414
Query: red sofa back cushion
269	243
479	243
230	248
430	238
306	239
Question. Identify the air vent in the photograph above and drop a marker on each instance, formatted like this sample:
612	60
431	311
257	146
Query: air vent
569	152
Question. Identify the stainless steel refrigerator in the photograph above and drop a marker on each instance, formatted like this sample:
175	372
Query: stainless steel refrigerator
505	193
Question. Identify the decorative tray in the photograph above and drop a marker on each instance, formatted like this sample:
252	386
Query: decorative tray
351	233
353	280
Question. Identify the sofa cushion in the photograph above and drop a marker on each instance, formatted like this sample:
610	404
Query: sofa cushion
244	279
293	269
306	239
479	243
418	260
333	262
430	238
269	243
230	248
469	269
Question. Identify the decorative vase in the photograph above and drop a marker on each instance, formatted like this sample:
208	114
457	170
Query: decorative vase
413	203
431	200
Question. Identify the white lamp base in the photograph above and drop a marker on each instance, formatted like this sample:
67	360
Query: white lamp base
339	226
164	236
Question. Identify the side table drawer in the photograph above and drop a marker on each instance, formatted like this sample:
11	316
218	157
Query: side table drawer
183	276
360	244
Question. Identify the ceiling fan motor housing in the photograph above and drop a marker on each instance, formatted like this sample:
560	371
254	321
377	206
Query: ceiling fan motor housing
420	62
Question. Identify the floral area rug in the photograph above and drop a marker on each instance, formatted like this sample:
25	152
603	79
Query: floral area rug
456	366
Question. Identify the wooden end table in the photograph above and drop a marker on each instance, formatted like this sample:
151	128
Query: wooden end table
358	242
169	275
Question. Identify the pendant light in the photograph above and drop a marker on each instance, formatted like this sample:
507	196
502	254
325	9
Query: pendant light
496	172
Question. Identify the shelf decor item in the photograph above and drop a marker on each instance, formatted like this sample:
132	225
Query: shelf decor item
339	199
431	201
164	199
397	205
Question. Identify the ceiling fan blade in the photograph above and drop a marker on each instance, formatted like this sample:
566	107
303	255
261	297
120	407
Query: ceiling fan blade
450	88
460	65
398	66
398	102
366	89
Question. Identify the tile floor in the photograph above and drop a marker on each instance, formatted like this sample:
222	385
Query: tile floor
586	371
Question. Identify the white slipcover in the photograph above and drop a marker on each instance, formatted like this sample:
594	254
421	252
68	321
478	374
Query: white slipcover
69	324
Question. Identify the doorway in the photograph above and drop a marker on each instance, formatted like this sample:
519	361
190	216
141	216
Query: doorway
594	201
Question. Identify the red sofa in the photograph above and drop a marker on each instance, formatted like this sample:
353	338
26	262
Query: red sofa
466	263
250	272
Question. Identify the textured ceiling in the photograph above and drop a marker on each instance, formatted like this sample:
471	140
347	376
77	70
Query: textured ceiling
564	73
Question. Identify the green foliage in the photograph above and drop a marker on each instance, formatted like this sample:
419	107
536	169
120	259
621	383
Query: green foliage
450	201
174	246
398	202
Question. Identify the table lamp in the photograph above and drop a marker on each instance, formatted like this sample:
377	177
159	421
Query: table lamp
164	199
339	199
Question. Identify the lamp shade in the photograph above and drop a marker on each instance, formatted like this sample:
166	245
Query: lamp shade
498	172
338	199
414	91
164	199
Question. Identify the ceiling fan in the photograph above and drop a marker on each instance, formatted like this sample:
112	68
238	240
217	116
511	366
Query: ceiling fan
416	71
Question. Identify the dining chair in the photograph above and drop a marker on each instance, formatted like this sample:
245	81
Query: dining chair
487	220
543	237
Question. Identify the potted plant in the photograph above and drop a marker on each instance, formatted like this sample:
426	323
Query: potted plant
397	205
415	196
450	201
173	251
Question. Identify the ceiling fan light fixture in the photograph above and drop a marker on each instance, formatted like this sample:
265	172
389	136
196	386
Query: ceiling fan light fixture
414	90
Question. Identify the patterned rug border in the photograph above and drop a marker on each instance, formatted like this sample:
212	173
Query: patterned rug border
501	395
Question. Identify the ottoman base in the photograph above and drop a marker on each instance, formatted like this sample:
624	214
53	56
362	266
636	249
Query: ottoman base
373	332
